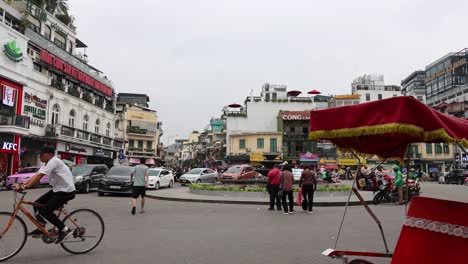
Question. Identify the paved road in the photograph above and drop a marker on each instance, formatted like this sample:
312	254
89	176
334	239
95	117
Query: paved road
176	232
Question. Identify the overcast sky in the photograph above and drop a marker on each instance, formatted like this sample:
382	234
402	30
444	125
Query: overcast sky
194	57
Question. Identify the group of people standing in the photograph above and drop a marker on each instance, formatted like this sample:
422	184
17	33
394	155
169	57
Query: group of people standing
280	187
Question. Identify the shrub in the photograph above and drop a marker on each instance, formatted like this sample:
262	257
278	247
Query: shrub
231	188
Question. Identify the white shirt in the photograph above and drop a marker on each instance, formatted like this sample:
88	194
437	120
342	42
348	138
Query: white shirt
60	176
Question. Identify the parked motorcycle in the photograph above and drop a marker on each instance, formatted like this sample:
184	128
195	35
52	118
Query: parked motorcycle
386	192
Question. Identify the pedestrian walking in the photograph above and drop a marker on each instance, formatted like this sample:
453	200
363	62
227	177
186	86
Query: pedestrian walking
286	188
398	182
140	183
308	184
273	187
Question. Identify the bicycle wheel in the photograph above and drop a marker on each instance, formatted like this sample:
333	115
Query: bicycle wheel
88	230
14	239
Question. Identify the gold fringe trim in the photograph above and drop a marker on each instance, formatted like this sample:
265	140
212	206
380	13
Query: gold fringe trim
412	130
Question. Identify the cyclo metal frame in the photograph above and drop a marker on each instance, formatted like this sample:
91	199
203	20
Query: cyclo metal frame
19	207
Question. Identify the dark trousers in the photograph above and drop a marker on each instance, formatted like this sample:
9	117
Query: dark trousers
308	192
290	197
52	201
274	188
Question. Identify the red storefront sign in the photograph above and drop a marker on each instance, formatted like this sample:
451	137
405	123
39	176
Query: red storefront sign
74	72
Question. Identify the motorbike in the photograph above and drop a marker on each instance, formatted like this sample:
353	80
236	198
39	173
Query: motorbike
387	193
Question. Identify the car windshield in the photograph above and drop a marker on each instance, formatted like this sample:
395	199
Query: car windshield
154	172
195	171
81	170
120	171
234	170
28	170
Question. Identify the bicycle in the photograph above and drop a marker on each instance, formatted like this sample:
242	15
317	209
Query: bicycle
14	232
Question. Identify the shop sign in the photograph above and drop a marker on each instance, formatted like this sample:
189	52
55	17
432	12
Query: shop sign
12	52
38	102
36	112
351	162
256	156
69	147
448	69
9	147
327	161
308	156
39	13
77	149
296	115
102	153
8	96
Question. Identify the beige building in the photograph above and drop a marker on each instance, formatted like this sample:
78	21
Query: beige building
261	142
432	157
141	130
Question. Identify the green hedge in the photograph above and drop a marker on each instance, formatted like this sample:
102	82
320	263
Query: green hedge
230	188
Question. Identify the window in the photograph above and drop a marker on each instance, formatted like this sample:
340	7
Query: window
274	96
305	130
149	144
267	97
55	114
429	148
437	148
242	143
47	32
96	127
71	119
117	123
260	143
34	24
395	95
85	122
108	127
60	41
273	145
420	98
247	169
131	143
140	144
367	97
446	149
380	96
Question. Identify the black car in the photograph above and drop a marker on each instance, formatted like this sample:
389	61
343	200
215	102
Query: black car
117	180
88	176
456	176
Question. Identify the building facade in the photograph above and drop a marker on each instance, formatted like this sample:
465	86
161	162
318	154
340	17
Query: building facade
446	78
414	85
371	87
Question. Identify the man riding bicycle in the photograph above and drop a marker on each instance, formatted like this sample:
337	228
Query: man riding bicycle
63	190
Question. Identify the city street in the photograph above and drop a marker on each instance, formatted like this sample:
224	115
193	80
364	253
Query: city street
184	232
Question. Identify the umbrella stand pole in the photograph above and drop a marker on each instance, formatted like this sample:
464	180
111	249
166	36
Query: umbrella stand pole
361	200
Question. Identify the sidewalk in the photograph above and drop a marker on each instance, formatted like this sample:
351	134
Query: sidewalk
183	195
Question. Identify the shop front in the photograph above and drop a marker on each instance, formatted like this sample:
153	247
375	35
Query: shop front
329	164
309	159
9	154
150	162
74	152
101	156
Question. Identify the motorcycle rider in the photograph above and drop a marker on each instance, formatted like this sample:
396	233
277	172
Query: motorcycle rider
398	182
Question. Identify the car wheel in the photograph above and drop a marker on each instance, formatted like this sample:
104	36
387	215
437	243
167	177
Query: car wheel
215	180
460	182
171	184
156	186
86	187
100	194
198	181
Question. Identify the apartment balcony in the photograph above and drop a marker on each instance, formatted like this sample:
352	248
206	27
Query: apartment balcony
135	150
44	43
14	124
82	135
107	141
74	92
58	84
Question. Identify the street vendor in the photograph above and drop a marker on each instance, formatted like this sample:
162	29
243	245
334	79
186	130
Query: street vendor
398	182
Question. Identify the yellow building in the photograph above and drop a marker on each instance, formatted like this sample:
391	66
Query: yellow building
141	130
432	157
259	142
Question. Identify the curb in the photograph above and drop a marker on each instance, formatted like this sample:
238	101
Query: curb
318	204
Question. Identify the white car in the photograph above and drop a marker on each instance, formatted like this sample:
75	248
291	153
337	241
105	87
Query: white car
159	177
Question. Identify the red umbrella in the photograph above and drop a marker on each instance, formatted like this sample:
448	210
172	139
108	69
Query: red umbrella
294	93
386	127
314	92
234	106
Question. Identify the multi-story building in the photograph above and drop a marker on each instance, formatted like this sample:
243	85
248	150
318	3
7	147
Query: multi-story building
371	87
141	130
259	118
414	85
446	79
69	103
343	100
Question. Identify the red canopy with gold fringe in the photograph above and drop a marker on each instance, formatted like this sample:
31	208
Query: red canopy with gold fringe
386	127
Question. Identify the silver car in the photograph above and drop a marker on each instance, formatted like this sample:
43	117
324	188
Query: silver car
199	175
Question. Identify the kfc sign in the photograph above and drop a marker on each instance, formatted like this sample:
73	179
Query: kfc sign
9	147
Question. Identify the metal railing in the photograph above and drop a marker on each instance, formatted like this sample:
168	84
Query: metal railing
15	120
